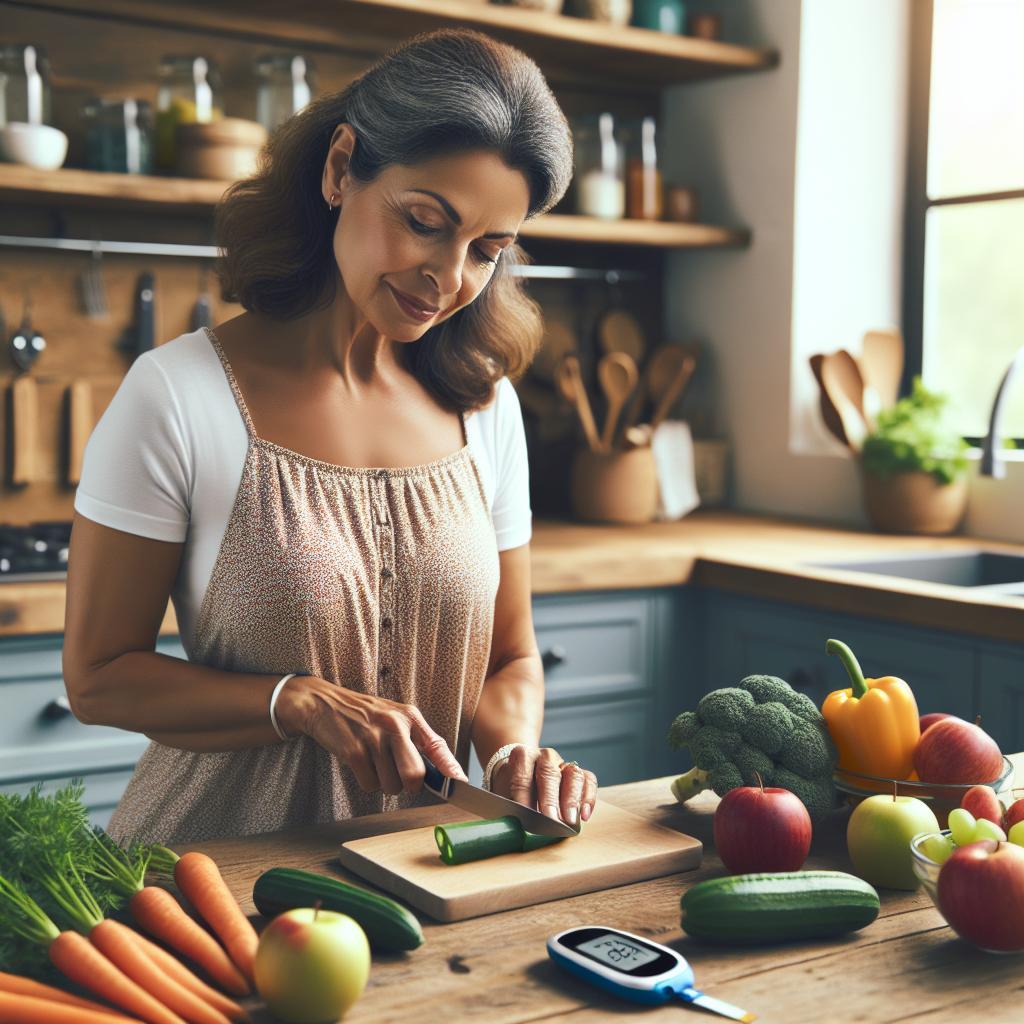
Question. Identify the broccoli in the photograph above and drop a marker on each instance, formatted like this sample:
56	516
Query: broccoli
762	727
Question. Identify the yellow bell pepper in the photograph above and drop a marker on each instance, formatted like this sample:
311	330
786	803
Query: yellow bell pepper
874	723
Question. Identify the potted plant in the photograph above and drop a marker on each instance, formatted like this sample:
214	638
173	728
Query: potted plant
914	467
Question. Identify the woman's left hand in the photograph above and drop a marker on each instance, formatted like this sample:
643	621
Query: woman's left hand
538	777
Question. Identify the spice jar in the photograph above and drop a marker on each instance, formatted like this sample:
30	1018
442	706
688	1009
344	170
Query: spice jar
599	168
285	86
27	95
119	137
189	93
643	176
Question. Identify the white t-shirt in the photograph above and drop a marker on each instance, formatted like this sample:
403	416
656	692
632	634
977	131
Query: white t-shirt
165	461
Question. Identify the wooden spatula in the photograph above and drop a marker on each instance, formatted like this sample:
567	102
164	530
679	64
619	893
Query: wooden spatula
845	386
882	365
617	375
570	384
832	419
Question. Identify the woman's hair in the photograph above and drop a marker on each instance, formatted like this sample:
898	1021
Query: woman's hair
449	91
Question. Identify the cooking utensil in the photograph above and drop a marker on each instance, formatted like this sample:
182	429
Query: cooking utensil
614	847
882	365
94	295
24	428
617	375
202	311
80	423
845	386
671	392
140	336
619	331
633	967
26	343
485	804
833	421
570	384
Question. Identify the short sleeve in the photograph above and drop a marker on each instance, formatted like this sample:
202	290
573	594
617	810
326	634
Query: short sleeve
510	511
136	474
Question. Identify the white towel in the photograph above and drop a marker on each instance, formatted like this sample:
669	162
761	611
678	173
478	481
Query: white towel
672	444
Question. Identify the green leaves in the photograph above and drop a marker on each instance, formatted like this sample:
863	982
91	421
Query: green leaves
913	435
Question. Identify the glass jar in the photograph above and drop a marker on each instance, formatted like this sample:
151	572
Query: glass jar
599	168
119	137
189	92
660	15
286	84
27	95
643	176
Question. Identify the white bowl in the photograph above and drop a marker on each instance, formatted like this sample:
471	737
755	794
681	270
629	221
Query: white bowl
36	145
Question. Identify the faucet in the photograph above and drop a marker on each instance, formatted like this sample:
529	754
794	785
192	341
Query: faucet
991	461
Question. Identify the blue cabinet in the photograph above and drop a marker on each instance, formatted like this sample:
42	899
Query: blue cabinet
1001	706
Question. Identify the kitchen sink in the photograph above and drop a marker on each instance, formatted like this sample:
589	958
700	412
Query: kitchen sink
991	570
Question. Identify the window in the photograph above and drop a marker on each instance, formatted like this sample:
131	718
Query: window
964	295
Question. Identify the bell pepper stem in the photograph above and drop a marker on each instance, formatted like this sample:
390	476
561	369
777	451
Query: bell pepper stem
850	663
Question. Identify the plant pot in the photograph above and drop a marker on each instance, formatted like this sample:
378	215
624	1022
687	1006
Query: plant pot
913	502
615	487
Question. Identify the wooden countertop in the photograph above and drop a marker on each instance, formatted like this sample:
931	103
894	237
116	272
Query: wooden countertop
745	554
907	965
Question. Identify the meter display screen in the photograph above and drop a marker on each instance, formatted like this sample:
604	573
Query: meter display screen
617	951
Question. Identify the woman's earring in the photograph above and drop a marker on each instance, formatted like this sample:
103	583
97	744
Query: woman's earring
330	202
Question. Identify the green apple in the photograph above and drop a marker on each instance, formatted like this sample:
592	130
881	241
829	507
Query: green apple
878	837
311	965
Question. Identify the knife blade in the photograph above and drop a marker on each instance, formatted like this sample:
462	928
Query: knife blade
490	805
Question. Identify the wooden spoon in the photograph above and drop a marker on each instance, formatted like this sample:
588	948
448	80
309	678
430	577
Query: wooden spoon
882	364
617	375
570	384
675	387
833	421
845	386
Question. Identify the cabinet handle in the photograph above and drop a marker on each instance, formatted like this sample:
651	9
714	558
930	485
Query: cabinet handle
553	656
59	707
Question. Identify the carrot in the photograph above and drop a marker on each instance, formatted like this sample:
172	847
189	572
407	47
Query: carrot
16	985
79	960
202	884
17	1008
177	970
159	913
121	946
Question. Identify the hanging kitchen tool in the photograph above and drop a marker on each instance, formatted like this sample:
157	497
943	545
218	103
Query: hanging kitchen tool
570	384
139	337
617	374
24	429
93	292
833	421
80	424
26	343
881	362
202	311
845	386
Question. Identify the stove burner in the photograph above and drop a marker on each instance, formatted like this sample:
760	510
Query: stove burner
36	551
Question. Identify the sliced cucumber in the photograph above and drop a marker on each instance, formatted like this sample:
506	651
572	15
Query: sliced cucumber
465	841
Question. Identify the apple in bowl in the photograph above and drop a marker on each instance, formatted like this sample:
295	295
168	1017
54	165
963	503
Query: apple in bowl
959	752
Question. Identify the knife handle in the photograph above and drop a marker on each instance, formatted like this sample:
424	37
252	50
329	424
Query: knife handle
433	779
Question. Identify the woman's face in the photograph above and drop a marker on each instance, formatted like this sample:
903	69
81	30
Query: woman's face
425	236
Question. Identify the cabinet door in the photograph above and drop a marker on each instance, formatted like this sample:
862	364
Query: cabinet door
747	636
611	740
1002	696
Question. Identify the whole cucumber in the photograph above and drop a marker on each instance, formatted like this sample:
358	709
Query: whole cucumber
776	907
389	926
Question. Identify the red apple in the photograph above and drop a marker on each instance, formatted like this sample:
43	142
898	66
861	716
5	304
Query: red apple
957	751
982	802
760	828
981	894
1014	813
931	718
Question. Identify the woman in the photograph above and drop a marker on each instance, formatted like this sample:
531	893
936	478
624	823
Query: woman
332	486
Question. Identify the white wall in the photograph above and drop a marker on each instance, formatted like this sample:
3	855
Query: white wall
809	156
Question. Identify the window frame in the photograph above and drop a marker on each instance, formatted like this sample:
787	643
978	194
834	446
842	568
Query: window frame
918	202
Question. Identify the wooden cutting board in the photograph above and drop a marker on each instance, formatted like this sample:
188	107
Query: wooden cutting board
614	848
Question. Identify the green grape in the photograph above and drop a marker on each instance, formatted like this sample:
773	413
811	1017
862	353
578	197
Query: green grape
938	848
1017	833
962	824
985	829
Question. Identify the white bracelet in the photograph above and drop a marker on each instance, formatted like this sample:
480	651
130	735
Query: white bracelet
273	700
498	758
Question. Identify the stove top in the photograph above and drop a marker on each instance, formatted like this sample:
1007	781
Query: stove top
38	551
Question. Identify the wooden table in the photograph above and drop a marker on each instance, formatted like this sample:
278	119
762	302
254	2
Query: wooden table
906	966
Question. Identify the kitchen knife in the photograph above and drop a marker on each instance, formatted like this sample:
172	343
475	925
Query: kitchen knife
490	805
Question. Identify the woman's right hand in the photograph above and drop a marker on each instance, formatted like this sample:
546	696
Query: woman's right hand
379	739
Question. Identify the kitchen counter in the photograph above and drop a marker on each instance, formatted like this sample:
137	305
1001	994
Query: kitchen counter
907	965
741	553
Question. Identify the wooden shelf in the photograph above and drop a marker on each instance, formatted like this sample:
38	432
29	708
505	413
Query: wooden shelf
153	193
602	52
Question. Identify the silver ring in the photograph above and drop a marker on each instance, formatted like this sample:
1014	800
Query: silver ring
569	764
